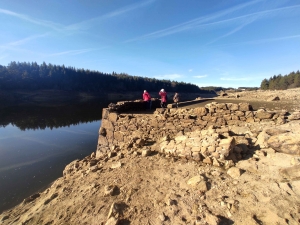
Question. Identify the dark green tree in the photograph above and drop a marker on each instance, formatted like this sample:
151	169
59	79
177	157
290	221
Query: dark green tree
264	84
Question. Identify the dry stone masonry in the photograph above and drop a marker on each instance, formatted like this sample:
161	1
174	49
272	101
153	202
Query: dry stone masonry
216	134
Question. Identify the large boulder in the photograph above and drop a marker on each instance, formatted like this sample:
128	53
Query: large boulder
288	143
273	98
292	173
264	114
294	116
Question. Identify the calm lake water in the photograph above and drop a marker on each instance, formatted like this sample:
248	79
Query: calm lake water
36	143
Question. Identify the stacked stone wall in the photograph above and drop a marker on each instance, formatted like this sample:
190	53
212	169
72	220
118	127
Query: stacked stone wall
207	134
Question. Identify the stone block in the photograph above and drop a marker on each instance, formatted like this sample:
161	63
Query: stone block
250	120
264	115
233	122
227	145
109	135
220	122
196	149
201	122
207	160
249	114
242	118
113	117
102	141
107	124
235	117
239	113
222	106
232	106
227	117
245	107
105	113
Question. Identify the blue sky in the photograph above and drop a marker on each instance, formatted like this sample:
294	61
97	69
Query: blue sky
229	43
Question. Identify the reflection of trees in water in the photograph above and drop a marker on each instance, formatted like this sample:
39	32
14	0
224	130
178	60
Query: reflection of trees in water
41	117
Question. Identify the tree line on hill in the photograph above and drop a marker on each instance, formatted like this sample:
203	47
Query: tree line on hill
217	89
279	82
31	76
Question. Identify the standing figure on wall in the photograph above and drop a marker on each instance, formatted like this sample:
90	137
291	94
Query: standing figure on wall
176	99
147	99
163	98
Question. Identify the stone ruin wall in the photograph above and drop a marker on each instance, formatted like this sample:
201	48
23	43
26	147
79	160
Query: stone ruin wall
215	134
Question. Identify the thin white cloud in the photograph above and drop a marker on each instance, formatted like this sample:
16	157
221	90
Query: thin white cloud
77	26
73	52
190	70
23	17
128	8
250	18
169	76
233	31
192	23
260	41
89	23
200	76
13	48
3	57
22	41
203	22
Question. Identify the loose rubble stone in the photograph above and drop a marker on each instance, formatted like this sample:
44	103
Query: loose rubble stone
202	186
162	217
146	152
116	165
93	168
110	190
207	160
93	162
112	221
248	166
195	180
4	218
31	198
292	173
234	172
211	219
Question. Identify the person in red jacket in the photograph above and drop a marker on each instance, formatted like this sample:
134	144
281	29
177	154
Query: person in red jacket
147	98
163	98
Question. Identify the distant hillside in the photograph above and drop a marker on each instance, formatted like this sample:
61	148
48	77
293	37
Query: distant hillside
230	89
279	82
31	76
